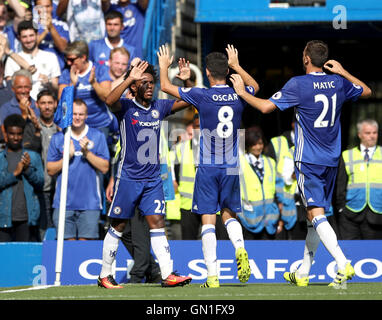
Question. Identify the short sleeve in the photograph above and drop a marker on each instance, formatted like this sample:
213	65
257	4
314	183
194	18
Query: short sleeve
102	149
287	97
102	73
65	77
251	90
165	106
351	90
54	151
191	95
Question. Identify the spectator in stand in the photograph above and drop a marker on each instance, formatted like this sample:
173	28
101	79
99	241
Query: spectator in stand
93	84
99	50
133	21
46	63
22	103
10	29
88	155
5	85
359	185
53	34
21	178
85	19
46	128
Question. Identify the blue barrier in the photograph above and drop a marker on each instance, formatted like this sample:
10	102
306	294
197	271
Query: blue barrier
20	263
268	259
34	263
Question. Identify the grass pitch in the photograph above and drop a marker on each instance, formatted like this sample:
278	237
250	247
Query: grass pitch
151	292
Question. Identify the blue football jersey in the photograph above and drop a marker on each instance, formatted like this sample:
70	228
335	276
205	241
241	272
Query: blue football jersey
140	133
83	180
220	110
99	115
133	23
318	99
99	50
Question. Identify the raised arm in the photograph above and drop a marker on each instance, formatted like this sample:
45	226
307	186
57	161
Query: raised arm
336	67
263	105
165	60
233	63
112	100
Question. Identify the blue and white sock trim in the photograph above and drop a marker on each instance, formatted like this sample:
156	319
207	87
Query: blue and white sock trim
207	229
318	220
157	232
114	233
229	221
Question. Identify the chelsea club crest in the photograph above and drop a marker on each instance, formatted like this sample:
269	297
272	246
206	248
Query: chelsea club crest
155	114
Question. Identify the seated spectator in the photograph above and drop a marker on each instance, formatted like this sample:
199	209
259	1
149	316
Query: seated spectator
93	84
88	155
46	63
85	19
21	178
133	21
53	33
99	50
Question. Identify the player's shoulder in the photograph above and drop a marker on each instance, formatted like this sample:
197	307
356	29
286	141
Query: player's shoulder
192	89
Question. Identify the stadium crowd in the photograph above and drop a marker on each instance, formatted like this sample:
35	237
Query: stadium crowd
46	46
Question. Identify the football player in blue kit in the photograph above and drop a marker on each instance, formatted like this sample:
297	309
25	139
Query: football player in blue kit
217	186
138	181
317	98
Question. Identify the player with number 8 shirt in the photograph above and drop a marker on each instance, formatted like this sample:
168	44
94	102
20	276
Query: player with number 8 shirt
317	98
217	186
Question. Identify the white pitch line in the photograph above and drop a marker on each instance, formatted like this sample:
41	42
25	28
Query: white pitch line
27	289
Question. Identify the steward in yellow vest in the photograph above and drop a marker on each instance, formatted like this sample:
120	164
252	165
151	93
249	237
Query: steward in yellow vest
258	198
285	191
359	193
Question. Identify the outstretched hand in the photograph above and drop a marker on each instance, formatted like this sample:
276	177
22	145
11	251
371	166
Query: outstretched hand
238	83
137	72
184	69
233	56
164	58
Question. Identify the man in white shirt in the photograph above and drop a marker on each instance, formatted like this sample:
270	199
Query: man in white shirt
46	63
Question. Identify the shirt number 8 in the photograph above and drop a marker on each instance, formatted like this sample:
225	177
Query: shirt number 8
225	126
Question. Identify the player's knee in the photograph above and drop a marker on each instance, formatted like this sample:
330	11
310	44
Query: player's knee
118	224
155	221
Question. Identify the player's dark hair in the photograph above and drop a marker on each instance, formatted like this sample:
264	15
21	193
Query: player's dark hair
217	65
318	52
14	120
25	25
